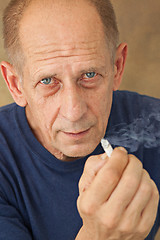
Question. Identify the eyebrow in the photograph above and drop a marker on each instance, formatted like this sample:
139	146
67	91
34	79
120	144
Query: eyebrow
42	75
93	69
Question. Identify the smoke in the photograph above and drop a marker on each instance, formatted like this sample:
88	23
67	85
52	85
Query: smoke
142	131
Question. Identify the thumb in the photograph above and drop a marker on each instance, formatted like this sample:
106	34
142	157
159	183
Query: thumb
91	168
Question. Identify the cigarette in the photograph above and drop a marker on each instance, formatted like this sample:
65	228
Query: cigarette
106	147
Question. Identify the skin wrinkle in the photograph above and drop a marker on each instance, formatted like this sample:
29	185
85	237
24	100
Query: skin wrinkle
75	104
59	60
65	53
77	45
70	121
40	73
19	63
68	56
69	52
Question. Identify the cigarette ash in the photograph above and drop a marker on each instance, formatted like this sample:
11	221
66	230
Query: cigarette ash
143	131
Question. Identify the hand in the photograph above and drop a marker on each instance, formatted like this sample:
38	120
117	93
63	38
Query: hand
117	200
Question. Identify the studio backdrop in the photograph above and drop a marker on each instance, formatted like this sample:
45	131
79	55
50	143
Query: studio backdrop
138	23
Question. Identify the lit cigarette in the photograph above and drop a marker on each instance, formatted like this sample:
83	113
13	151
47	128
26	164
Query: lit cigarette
106	147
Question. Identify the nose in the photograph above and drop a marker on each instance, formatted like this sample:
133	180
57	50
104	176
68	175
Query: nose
73	105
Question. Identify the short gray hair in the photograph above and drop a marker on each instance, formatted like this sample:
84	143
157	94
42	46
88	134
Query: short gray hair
14	13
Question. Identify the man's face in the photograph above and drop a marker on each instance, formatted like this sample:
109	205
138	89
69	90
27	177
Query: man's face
68	77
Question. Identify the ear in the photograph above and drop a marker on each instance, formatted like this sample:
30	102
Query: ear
120	60
13	82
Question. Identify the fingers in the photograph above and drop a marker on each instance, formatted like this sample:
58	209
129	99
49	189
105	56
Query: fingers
109	176
120	200
132	214
125	190
142	195
149	213
92	166
105	181
140	214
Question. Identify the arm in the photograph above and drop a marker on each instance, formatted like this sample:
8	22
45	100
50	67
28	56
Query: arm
11	224
117	199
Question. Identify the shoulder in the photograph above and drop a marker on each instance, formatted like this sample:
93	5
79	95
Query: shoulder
6	112
134	121
128	106
135	124
9	115
7	108
10	137
11	149
134	101
133	95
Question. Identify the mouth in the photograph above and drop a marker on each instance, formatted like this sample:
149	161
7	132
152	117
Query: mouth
77	135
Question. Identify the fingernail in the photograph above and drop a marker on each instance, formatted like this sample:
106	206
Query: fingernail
122	149
103	156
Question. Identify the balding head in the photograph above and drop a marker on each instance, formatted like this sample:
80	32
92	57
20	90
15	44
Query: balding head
68	75
14	14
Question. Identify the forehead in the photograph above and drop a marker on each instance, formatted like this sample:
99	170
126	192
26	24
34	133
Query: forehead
61	28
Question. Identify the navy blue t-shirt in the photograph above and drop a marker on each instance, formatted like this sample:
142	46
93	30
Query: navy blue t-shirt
38	192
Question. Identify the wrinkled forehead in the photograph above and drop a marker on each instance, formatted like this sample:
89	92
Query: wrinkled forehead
60	23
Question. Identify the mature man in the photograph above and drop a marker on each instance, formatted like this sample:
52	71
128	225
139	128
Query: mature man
64	67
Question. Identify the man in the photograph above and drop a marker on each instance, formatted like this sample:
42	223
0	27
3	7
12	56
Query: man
65	65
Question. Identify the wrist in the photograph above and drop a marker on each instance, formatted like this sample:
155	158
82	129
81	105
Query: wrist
84	235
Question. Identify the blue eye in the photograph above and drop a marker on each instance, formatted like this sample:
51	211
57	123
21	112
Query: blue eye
46	81
90	74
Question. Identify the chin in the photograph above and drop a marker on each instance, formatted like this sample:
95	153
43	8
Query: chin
79	152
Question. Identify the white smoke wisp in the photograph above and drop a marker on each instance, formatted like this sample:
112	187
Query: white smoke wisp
142	131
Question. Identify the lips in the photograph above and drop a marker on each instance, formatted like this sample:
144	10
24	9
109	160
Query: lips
77	134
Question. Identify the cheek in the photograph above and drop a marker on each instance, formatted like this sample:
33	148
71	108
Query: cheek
48	112
45	111
102	106
102	99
